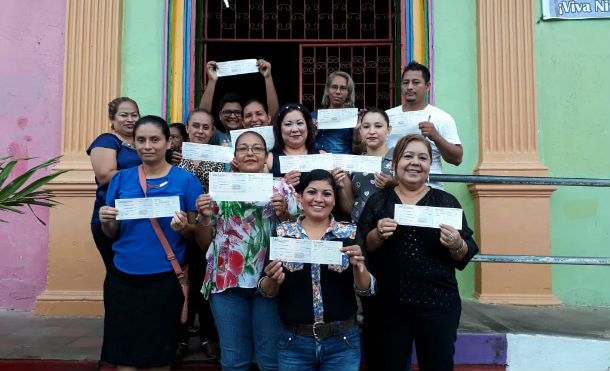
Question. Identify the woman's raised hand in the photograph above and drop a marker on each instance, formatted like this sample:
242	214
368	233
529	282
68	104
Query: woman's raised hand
275	272
386	227
108	214
450	237
339	175
278	202
354	252
293	177
179	221
264	67
212	70
383	180
204	205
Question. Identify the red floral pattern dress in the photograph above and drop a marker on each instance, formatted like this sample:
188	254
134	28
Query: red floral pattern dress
240	240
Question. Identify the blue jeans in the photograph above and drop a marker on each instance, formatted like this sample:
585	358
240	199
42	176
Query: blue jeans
335	353
247	323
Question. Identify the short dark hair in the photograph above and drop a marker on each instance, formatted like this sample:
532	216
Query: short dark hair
181	128
256	100
113	106
229	98
310	143
317	174
414	66
253	133
155	120
379	111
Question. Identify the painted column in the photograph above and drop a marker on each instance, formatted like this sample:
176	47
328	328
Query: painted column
91	79
510	219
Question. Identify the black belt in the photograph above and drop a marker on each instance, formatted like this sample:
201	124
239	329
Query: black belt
322	330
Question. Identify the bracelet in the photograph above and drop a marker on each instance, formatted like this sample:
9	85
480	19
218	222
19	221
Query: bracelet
198	218
457	250
259	288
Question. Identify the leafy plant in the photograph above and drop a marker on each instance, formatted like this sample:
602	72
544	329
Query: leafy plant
17	193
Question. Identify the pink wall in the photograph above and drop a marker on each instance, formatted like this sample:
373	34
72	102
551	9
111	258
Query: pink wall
31	79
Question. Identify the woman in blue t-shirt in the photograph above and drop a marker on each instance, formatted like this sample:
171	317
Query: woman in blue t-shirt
109	153
142	295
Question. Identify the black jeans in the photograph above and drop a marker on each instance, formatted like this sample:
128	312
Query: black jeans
434	331
195	258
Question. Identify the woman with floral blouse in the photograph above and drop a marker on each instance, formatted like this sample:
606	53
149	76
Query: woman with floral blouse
239	235
317	302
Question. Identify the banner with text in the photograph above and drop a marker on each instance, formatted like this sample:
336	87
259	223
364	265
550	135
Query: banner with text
575	9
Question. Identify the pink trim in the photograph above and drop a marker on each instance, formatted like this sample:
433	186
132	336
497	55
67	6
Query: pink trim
192	71
403	39
431	50
164	86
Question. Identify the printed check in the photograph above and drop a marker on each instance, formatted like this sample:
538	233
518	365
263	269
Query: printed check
249	187
206	152
148	207
265	131
339	118
427	216
294	250
356	163
306	163
238	67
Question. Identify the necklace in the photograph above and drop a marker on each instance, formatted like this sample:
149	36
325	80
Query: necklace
128	145
153	186
409	200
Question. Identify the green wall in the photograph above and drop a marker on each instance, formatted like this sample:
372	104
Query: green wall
455	84
573	88
142	54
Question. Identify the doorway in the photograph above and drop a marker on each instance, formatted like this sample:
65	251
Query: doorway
304	40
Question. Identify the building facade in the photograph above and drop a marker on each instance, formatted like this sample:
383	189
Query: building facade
529	98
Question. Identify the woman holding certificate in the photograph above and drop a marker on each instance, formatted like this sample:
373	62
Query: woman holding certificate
109	153
238	238
414	266
317	302
200	129
374	129
338	93
294	134
143	296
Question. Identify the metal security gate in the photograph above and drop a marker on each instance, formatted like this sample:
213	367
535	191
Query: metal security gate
369	65
306	40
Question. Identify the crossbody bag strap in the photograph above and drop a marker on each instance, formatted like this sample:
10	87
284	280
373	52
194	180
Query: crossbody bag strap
166	246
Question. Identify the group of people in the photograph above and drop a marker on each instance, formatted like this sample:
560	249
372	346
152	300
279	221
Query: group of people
288	315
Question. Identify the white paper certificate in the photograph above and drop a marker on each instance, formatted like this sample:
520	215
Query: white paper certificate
426	216
339	118
355	163
149	207
238	67
265	131
294	250
206	152
404	123
250	187
305	163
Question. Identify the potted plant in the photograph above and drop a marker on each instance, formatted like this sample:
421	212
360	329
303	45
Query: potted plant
19	192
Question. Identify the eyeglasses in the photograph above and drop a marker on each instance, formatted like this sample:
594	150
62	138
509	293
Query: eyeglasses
228	112
257	150
337	87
